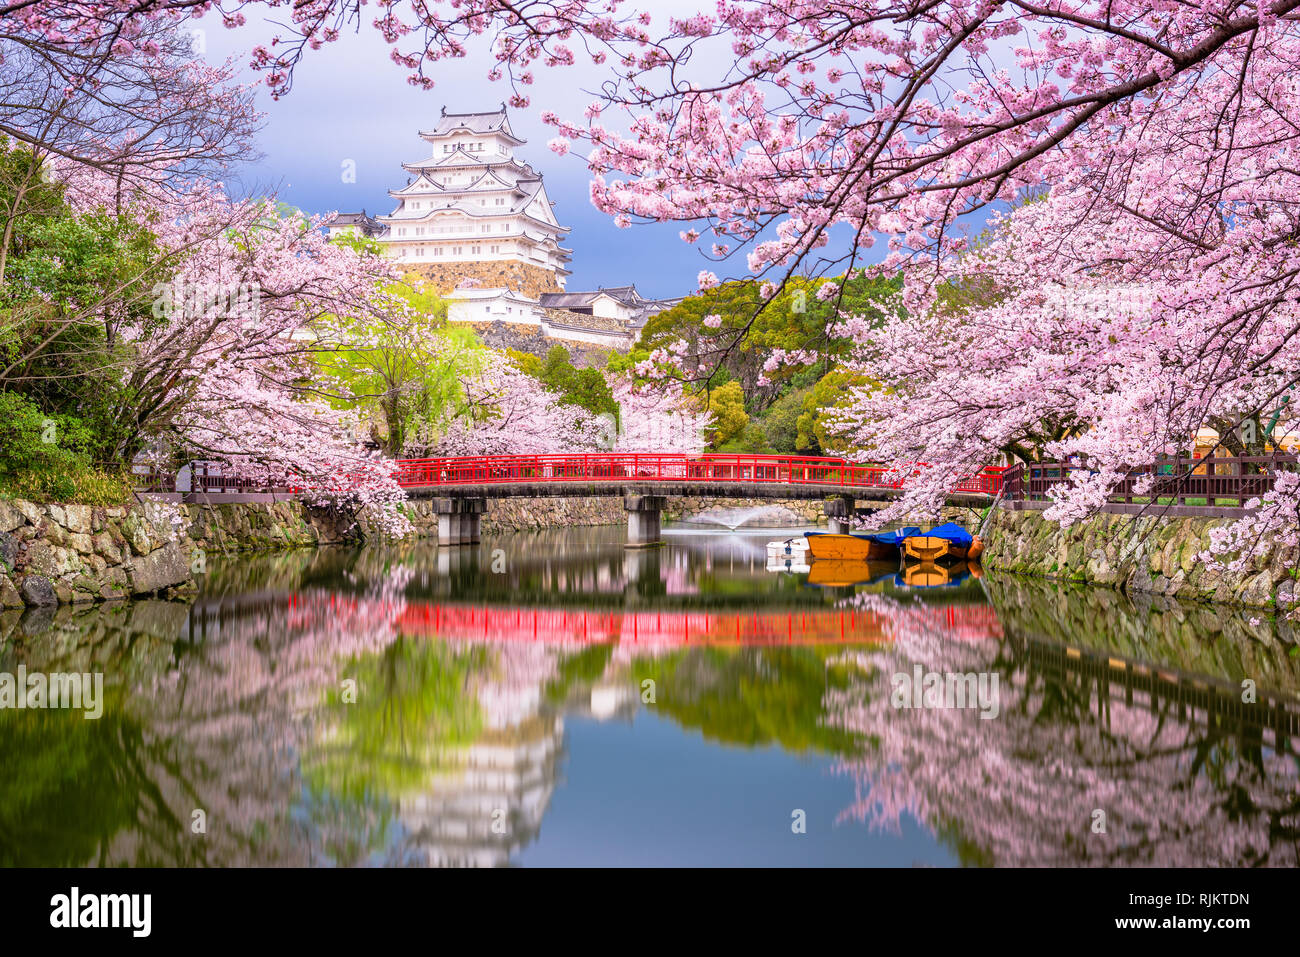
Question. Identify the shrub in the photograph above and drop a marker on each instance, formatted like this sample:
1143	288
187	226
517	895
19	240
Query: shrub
46	458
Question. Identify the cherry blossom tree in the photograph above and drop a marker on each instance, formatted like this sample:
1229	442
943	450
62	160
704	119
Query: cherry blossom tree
145	110
1024	788
659	418
1158	142
213	358
508	412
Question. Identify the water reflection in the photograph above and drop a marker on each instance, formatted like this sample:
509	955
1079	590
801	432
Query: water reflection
532	700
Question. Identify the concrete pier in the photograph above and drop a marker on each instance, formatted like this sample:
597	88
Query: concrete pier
840	512
459	519
644	519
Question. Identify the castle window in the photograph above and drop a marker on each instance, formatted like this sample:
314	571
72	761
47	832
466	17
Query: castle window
501	201
477	250
487	228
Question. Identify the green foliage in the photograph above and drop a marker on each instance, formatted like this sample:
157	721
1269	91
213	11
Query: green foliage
31	440
579	670
70	784
622	363
781	423
752	439
77	290
410	720
793	319
816	422
586	388
49	458
727	404
405	378
753	697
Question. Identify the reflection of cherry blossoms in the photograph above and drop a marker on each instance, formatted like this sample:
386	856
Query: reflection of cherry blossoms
1022	789
240	720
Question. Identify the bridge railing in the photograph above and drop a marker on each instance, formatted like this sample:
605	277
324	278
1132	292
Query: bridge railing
649	467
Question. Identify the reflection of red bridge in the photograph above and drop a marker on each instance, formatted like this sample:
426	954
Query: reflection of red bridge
689	628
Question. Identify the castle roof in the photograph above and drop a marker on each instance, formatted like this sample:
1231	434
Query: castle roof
491	121
367	224
576	300
641	307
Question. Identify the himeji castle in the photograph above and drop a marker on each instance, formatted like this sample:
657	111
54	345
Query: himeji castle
475	221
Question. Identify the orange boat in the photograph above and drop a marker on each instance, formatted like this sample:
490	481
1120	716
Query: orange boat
874	546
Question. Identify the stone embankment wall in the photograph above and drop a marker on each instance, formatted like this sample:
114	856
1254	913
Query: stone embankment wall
1146	554
518	514
61	554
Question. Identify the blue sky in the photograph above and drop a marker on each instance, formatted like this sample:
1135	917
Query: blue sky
351	102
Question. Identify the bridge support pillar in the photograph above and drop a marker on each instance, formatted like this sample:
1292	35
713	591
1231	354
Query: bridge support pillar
840	512
644	519
459	519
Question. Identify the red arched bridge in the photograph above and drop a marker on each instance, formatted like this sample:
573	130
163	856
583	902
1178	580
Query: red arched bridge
461	486
520	474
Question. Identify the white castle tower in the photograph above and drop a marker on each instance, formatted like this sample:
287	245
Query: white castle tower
476	224
472	202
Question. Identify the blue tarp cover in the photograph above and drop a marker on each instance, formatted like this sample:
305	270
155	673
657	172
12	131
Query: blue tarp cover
952	532
895	537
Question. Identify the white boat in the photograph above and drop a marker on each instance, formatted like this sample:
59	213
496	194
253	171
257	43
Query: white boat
796	548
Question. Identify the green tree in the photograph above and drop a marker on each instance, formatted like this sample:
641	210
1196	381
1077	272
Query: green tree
586	388
77	294
795	319
405	378
727	403
781	422
815	426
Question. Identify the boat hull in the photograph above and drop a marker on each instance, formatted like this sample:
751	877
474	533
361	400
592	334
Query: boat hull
849	547
928	548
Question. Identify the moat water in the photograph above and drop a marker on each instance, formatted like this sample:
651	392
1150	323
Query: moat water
555	699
